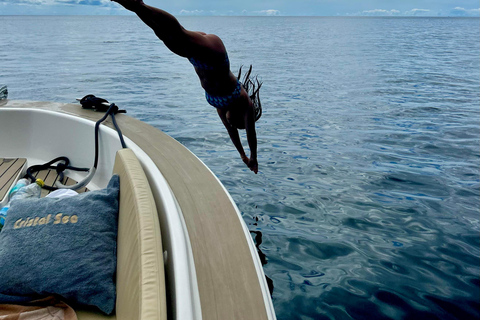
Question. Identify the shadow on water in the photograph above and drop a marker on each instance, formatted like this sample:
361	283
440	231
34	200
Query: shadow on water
263	257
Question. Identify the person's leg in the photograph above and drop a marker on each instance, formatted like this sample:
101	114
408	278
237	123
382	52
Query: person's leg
166	26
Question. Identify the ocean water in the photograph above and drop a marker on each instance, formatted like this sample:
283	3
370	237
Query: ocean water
367	201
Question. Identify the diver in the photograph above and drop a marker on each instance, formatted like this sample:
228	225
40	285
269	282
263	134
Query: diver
237	103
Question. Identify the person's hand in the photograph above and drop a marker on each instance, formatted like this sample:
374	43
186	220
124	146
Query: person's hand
130	4
253	165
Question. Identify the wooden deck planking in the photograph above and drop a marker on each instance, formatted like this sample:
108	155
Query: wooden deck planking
9	170
50	176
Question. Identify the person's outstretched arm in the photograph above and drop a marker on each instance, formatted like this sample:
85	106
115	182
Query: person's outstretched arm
251	139
234	136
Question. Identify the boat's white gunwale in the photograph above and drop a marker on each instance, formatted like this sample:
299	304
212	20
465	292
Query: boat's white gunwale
182	250
179	251
253	251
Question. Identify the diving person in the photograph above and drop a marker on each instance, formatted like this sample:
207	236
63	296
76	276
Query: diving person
237	102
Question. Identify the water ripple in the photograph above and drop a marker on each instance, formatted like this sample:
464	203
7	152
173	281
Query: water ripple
367	199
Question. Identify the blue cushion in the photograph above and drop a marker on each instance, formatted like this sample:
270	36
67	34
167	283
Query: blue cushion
64	247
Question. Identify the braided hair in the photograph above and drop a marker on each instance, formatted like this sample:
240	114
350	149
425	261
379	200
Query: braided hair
252	87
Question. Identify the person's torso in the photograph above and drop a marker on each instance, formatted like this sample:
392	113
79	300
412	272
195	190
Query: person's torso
215	75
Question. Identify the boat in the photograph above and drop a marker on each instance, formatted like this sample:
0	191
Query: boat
201	261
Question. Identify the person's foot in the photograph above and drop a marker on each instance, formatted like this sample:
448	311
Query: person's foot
130	4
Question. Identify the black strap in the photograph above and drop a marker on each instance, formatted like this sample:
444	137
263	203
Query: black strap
92	102
89	102
112	111
59	168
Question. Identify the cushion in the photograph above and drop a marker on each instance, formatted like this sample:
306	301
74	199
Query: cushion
64	247
141	292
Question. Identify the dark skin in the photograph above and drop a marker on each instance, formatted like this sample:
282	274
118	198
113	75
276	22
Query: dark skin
209	49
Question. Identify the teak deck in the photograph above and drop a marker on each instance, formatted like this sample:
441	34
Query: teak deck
227	279
50	177
9	171
11	168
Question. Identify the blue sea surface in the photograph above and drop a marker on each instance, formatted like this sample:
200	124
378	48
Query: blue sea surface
368	196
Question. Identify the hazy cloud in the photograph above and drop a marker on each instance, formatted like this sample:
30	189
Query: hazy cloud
417	12
462	12
458	8
457	12
270	12
192	12
380	12
31	2
106	3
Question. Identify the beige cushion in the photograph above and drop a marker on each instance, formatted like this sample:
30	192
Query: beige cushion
140	267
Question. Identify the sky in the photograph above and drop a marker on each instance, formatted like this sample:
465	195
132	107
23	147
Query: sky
461	8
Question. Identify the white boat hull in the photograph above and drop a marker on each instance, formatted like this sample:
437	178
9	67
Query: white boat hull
42	135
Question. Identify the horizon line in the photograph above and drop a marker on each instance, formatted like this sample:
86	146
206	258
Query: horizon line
263	16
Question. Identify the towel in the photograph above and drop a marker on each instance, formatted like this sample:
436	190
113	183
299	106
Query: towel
45	309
